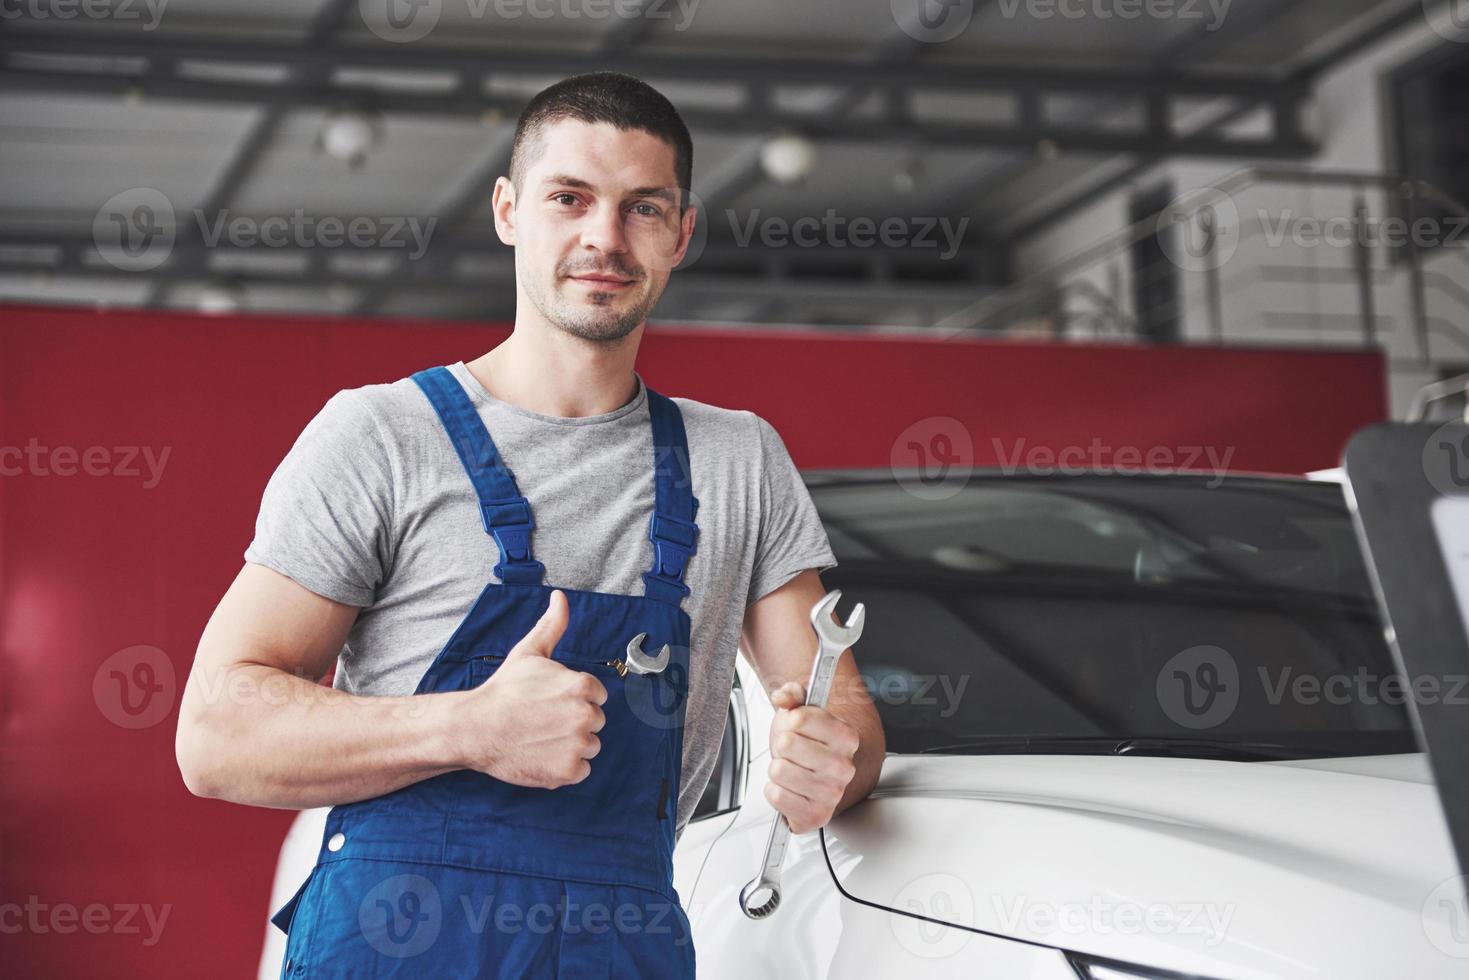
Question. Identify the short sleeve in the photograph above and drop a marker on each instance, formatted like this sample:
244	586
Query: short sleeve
792	537
325	518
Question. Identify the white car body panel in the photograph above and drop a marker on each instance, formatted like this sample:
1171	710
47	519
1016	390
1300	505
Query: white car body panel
1285	870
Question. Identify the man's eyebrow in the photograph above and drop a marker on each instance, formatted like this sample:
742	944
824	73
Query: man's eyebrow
563	180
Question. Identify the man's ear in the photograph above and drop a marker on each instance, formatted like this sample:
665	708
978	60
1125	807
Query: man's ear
502	203
685	233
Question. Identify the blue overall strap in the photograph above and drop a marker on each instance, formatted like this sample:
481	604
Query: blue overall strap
672	530
504	512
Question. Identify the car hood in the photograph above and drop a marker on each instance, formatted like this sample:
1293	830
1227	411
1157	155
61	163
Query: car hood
1224	869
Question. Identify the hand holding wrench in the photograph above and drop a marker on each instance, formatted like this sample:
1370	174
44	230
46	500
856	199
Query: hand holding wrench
760	897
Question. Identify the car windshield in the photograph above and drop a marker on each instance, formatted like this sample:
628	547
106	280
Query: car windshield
1177	615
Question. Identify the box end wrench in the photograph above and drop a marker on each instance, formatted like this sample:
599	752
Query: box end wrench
762	894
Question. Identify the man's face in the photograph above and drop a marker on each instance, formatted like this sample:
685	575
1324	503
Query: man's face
596	227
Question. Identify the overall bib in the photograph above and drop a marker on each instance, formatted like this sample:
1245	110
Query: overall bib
464	875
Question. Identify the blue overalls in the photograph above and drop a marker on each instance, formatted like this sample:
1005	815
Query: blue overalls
464	875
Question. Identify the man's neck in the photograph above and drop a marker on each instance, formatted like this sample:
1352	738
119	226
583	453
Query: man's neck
560	378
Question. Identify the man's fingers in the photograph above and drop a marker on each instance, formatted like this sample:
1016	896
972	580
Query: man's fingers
820	725
805	752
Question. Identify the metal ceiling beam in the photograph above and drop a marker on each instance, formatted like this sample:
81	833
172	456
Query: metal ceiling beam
189	261
247	155
1030	89
1409	12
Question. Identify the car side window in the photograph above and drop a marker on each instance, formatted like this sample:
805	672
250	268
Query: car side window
726	787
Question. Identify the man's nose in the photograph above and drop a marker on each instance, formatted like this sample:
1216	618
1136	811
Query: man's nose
604	229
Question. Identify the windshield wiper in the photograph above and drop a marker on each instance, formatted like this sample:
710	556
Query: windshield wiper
1200	748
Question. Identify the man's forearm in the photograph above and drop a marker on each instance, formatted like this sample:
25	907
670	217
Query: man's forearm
857	710
261	736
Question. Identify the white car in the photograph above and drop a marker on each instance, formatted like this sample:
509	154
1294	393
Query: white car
1138	727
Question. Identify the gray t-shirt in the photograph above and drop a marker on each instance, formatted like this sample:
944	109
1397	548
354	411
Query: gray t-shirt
371	507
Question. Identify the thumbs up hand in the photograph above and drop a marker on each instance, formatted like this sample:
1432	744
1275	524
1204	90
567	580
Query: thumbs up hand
534	722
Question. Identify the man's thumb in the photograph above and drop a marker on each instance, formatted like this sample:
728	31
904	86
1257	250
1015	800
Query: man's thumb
542	638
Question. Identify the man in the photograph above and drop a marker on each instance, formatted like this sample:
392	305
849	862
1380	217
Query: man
512	709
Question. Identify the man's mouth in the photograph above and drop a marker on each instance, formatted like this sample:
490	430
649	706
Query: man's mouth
601	281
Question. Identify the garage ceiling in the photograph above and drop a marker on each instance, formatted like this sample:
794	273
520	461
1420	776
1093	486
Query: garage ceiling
217	106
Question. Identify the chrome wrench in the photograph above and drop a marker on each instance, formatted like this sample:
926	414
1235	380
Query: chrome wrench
760	897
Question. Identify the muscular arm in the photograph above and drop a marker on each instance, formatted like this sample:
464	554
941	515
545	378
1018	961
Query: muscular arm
256	727
780	645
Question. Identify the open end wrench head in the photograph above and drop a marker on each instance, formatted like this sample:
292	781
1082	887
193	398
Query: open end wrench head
639	662
830	631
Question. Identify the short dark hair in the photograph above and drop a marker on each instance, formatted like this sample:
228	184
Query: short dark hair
609	97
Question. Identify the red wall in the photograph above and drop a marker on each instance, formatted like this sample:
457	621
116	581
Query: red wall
92	810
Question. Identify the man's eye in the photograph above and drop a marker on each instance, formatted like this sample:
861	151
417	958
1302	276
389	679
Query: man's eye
649	210
565	198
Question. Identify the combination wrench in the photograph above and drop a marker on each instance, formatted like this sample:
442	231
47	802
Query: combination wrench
760	897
